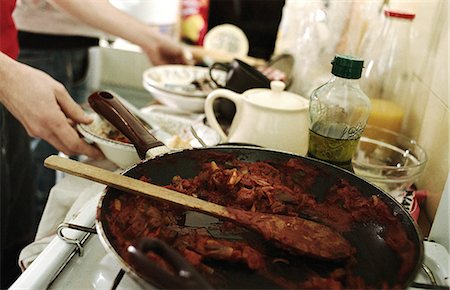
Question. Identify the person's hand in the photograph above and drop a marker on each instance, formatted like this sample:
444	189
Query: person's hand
163	50
102	15
44	107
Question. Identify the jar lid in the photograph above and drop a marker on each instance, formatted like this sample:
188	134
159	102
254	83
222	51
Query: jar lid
399	14
347	66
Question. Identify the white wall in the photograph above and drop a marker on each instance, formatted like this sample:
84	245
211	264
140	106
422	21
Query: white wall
430	121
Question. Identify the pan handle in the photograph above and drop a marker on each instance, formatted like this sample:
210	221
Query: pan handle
186	276
110	107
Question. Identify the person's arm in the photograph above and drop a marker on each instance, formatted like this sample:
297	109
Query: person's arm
43	106
104	16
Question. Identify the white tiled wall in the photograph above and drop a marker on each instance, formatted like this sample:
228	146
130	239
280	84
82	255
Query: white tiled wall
430	121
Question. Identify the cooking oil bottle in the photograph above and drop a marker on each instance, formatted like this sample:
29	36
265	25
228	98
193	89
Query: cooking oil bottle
338	113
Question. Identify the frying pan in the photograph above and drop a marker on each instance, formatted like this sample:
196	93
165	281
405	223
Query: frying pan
376	263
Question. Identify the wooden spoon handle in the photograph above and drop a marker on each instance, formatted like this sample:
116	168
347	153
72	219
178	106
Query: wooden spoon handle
302	236
129	184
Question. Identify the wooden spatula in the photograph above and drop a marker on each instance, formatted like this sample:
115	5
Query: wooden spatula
301	236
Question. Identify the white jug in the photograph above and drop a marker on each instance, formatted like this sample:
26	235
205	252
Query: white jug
270	118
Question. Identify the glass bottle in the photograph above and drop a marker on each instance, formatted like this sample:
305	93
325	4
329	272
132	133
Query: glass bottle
387	79
338	113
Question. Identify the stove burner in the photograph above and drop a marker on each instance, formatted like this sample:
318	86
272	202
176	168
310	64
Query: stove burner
118	279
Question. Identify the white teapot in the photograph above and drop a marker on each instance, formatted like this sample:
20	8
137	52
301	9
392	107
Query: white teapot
270	118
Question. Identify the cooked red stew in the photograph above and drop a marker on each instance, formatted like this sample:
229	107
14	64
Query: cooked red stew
283	188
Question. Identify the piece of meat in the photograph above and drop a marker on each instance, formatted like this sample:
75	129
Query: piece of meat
207	247
297	235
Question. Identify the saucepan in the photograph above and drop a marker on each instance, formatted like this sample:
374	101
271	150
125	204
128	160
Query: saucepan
387	247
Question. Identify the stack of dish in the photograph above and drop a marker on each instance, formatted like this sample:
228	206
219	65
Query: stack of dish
181	87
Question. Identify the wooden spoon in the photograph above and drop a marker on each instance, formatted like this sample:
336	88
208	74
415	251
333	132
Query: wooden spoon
298	235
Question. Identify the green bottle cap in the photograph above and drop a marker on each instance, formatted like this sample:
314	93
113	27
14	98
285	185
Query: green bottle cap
346	66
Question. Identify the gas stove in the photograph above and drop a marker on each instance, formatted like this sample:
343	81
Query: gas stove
78	260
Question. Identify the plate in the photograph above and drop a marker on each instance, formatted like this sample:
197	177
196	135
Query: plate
181	124
184	80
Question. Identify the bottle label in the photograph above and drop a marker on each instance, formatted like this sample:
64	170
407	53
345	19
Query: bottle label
352	133
339	130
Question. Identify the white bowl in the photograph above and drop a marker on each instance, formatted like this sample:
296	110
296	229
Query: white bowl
389	160
122	154
173	131
174	85
180	102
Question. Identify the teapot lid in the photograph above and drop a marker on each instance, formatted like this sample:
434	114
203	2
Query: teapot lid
276	98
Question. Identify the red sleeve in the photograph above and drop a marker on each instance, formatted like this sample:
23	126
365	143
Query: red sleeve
8	32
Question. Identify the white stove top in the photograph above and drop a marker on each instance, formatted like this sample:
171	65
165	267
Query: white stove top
80	276
81	273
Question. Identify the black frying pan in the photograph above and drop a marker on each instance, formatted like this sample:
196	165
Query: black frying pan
375	262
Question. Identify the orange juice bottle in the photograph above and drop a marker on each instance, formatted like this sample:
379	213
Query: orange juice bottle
386	114
387	79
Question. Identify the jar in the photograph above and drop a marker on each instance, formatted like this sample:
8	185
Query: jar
338	113
387	79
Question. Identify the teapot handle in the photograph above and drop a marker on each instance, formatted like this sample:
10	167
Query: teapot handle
209	109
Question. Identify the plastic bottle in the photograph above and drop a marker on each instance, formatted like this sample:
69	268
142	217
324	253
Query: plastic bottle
387	77
304	33
338	113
